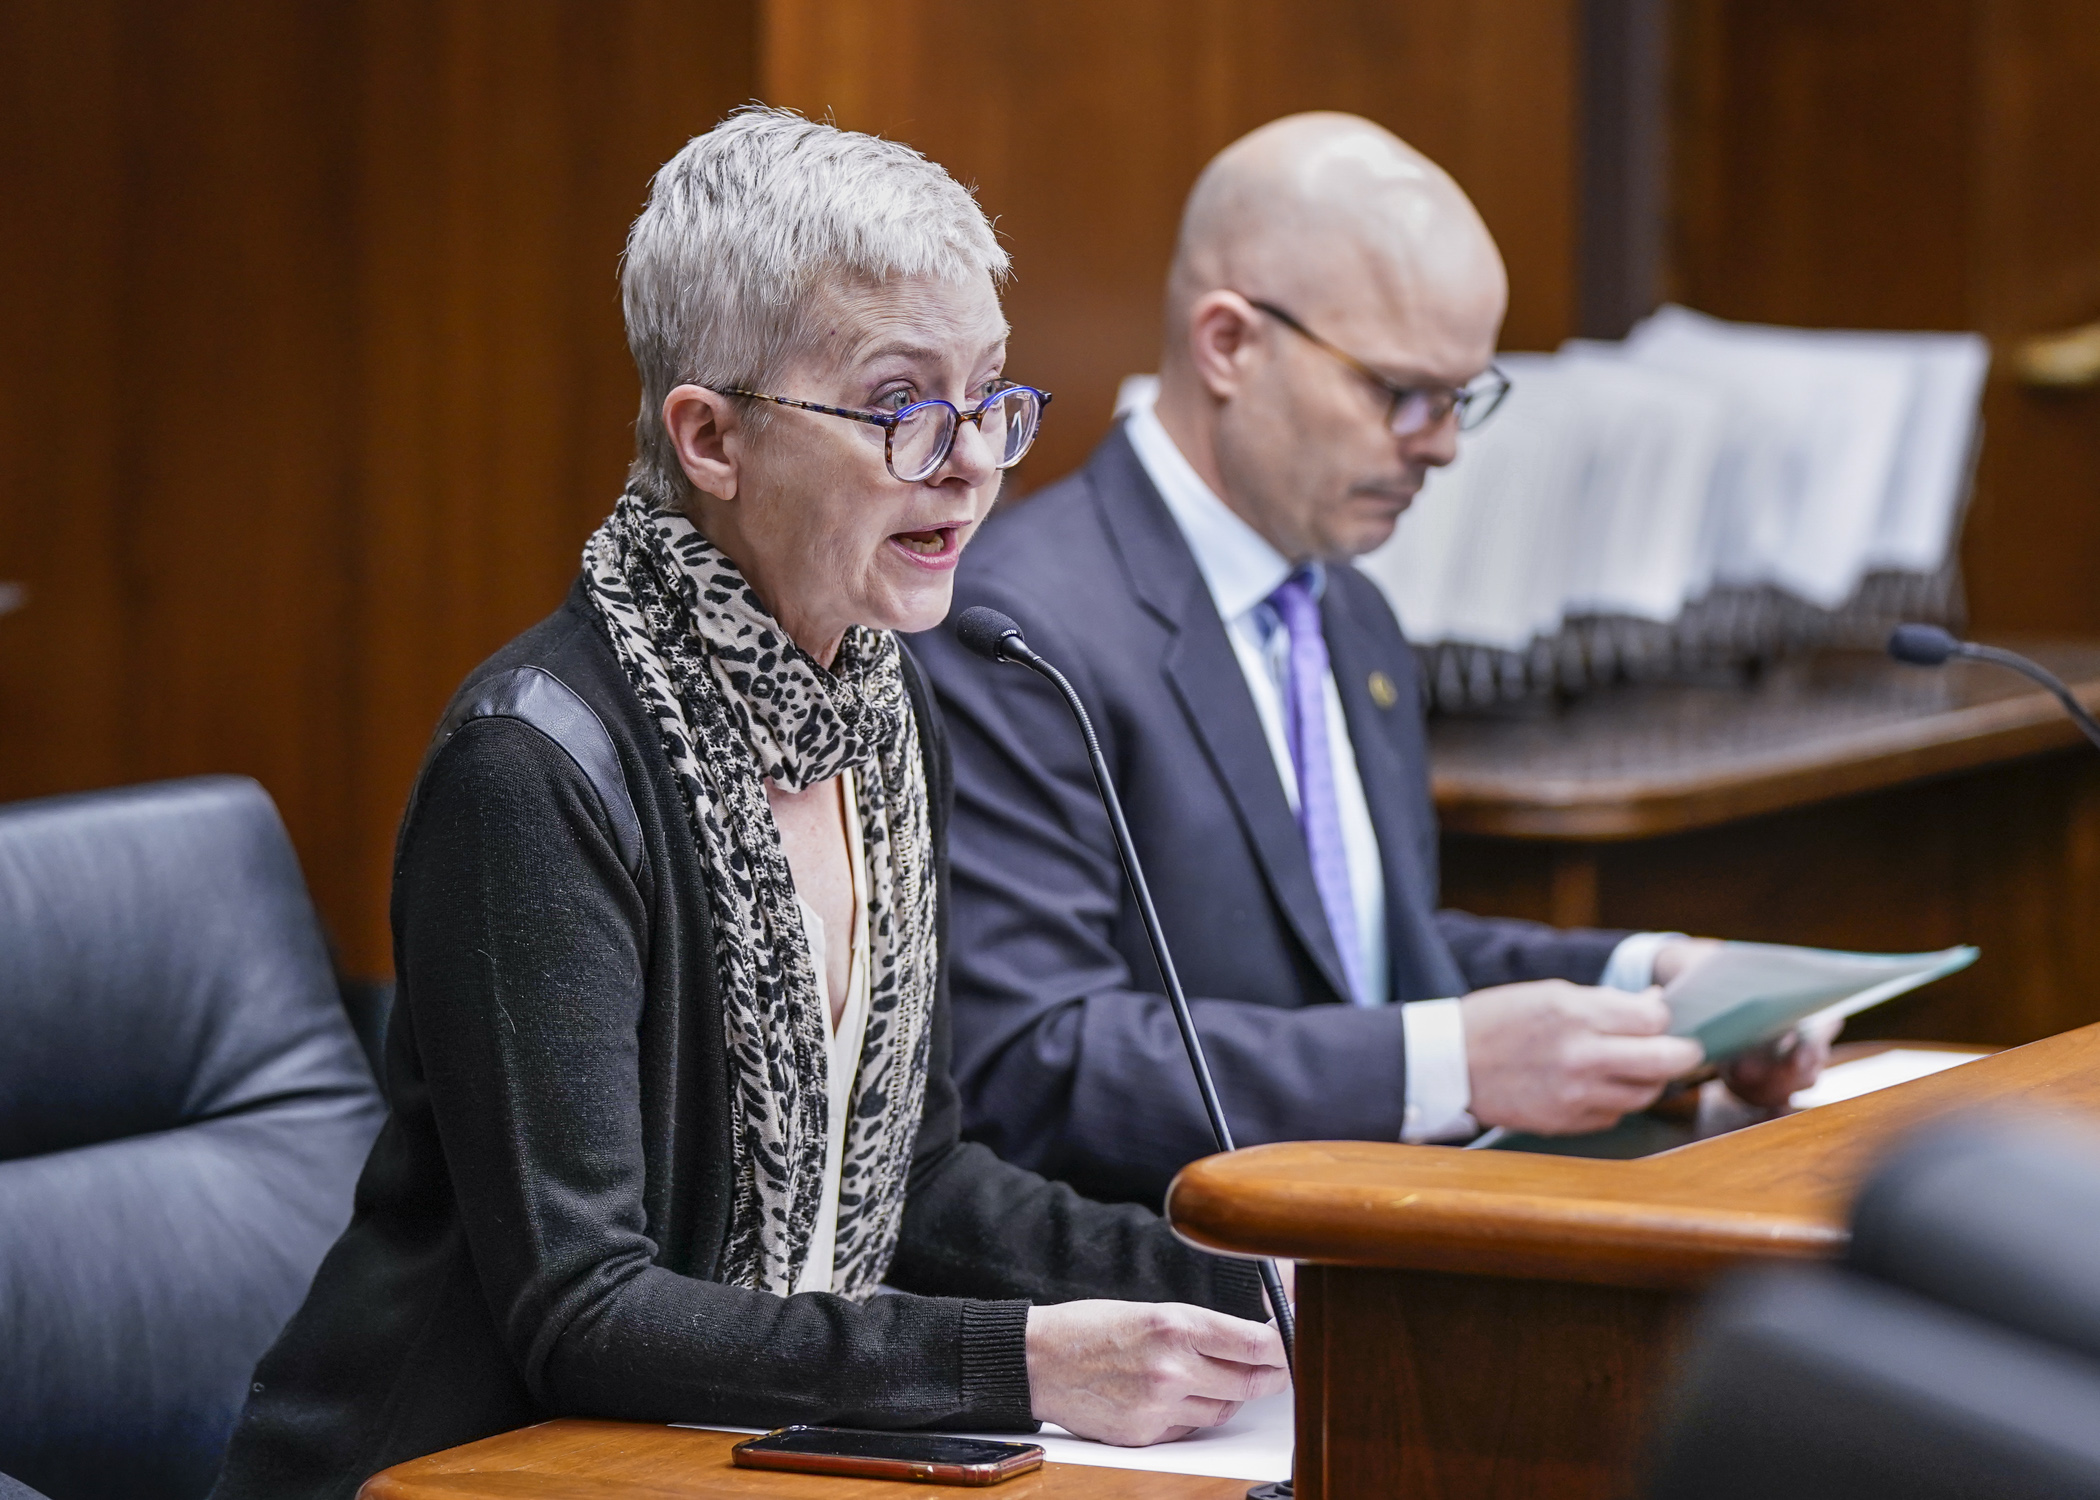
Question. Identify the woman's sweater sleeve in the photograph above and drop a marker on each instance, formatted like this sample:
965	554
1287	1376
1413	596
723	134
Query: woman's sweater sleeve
983	1227
520	939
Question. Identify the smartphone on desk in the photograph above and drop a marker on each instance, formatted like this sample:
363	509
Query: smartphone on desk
888	1455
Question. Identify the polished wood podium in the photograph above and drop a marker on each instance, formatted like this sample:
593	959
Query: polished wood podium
1476	1324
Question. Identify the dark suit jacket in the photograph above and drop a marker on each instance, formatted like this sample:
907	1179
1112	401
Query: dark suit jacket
1065	1047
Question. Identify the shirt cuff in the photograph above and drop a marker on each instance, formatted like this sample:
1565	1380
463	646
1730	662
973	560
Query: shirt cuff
1439	1089
1632	964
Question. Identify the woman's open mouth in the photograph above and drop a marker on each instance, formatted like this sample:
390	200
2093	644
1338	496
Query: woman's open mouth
934	547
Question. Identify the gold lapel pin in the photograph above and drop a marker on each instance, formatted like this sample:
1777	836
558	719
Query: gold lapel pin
1383	693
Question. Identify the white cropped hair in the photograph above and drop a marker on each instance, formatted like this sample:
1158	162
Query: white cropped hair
742	226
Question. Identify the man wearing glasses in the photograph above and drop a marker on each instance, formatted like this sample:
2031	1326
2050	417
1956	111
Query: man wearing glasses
1332	314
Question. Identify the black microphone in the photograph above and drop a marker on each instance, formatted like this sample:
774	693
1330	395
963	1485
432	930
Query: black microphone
996	637
1930	646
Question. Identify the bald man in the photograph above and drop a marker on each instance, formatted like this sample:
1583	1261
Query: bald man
1330	325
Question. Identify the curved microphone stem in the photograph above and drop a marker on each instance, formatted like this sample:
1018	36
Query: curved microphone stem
1997	657
1017	650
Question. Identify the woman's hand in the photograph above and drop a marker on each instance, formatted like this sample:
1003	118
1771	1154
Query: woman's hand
1135	1373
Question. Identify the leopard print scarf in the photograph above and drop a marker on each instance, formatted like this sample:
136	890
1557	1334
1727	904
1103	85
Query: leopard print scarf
737	704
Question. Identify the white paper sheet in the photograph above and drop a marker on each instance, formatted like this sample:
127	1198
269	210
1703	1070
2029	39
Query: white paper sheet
1452	571
1256	1445
1631	478
1752	992
1837	408
1882	1070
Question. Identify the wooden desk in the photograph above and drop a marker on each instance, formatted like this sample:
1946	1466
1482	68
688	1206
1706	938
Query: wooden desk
1478	1324
582	1460
1842	800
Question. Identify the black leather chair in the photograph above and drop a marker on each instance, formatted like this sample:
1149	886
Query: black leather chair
1954	1355
183	1113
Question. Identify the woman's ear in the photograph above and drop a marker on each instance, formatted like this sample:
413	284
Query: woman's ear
707	433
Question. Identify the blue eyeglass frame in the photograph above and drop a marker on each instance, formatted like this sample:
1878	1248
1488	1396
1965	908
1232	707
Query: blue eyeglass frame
890	421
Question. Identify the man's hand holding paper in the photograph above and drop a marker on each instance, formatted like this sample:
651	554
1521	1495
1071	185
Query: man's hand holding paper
1769	1075
1553	1058
1741	998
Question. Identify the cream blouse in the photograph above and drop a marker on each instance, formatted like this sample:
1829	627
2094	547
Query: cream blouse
843	1062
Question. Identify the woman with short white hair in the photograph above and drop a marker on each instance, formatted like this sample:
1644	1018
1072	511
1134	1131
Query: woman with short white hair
669	1059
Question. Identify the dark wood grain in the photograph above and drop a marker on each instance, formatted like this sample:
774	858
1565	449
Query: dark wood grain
574	1459
1419	1383
1638	761
1084	124
312	376
502	155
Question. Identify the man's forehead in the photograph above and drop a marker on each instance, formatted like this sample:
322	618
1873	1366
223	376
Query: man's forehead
1388	304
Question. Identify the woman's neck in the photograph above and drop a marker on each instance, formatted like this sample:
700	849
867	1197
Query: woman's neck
716	521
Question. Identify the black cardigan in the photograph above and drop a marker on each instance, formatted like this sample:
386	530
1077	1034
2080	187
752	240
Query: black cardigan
537	1228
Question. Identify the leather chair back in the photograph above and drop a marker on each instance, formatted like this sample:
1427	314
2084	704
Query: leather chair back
183	1113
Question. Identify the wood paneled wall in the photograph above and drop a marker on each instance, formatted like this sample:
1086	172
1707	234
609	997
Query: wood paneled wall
311	374
1917	164
1084	123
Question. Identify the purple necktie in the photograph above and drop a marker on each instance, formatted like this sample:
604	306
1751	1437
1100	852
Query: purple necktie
1305	727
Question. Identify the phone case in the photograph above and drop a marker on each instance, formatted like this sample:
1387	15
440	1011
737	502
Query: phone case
975	1475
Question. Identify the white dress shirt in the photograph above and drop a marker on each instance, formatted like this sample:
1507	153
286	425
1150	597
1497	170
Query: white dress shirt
1241	570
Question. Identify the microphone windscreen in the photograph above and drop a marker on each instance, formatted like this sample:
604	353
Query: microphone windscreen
1922	645
982	630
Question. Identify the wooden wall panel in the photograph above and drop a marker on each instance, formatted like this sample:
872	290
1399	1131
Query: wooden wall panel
1917	164
312	380
177	372
507	149
61	156
1823	161
1083	125
235	425
311	373
311	377
2033	548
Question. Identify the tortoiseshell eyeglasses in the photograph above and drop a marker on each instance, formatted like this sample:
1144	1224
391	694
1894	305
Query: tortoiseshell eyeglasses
917	439
1415	408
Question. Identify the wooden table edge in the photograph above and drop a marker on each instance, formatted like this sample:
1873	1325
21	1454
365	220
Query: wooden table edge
597	1458
1625	808
1674	1219
1486	1233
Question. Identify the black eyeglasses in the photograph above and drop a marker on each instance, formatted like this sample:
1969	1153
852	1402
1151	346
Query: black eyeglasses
1415	408
917	440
